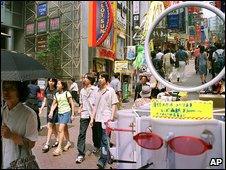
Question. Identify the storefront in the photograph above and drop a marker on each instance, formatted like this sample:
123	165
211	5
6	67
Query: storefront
103	60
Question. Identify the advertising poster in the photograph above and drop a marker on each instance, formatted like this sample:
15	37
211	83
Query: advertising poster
131	52
41	26
54	23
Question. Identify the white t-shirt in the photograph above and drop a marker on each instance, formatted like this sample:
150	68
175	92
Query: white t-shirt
23	121
159	55
87	99
104	101
73	87
62	102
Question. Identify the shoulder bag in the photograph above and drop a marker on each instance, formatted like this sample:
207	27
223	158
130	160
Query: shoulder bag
28	162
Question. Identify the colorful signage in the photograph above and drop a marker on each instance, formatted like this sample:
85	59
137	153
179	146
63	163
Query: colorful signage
121	66
100	22
42	9
121	15
41	43
131	50
54	23
184	110
105	53
30	29
175	19
42	26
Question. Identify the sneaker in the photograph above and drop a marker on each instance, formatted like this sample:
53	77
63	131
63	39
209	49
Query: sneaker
67	146
45	148
57	152
55	144
79	159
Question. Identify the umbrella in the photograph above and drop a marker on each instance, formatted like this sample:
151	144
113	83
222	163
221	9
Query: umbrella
16	66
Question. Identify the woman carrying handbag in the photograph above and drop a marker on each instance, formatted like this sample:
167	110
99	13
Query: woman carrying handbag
19	128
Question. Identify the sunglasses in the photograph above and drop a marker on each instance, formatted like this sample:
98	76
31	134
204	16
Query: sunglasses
186	145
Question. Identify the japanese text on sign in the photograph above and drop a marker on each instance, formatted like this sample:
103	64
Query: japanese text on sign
186	110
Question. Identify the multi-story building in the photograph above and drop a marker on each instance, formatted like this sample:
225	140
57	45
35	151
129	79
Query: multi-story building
56	34
12	25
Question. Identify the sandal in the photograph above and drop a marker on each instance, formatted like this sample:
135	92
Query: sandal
55	144
67	146
57	152
45	148
79	159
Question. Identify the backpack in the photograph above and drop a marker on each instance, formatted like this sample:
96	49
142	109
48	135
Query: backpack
219	62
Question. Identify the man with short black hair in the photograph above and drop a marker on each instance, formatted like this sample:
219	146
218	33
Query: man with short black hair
104	110
181	57
116	85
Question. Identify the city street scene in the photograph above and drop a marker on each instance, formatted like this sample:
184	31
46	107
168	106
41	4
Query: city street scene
112	84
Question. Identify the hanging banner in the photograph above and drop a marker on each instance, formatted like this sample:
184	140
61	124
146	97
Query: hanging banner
184	110
131	50
100	22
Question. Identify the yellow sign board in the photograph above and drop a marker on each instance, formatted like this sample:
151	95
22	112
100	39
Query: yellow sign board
183	110
121	66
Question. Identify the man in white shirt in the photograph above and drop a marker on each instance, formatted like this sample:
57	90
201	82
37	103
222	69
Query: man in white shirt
159	54
104	110
116	85
87	99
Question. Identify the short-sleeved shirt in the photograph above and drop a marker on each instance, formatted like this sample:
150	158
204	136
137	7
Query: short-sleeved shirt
181	55
49	94
23	121
74	87
116	85
87	99
62	102
104	101
166	59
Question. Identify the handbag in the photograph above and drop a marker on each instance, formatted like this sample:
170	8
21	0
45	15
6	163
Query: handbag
28	162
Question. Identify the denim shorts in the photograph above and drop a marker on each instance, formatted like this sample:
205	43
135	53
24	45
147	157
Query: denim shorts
64	118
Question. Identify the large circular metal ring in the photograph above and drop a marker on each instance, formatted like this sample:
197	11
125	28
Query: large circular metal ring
147	51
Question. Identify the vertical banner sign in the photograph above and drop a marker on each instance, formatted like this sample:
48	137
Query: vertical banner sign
100	22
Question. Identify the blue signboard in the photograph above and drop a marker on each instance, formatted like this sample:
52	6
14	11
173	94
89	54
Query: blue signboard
173	21
176	21
42	9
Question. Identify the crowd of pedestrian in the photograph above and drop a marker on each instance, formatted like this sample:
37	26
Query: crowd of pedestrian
96	102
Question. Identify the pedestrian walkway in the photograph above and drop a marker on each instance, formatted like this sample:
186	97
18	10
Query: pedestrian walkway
67	159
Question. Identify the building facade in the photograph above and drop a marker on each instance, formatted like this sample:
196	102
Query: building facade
12	25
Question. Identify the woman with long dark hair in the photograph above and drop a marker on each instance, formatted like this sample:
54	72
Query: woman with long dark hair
50	91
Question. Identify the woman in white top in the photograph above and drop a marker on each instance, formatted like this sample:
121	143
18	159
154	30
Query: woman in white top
74	91
19	125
